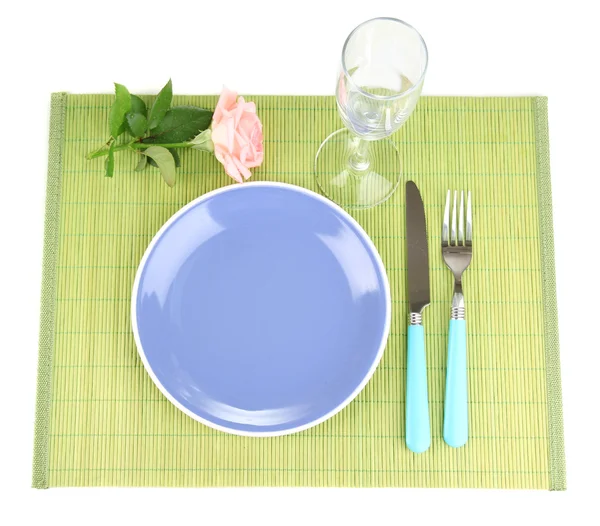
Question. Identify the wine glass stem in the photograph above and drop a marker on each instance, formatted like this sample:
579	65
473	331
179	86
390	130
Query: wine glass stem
359	158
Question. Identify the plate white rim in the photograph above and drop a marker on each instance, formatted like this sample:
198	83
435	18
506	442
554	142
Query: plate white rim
237	188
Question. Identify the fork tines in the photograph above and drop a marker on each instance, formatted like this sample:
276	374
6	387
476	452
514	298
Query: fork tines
457	233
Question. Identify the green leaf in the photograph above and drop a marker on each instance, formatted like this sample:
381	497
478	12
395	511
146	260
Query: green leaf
138	105
121	106
180	124
141	163
122	128
161	105
166	164
137	124
136	121
110	160
175	158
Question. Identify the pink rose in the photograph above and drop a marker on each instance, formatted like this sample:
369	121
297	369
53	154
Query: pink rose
237	135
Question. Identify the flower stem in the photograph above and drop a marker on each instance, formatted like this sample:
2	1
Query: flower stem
136	145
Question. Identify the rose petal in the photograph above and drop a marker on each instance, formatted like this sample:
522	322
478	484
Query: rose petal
231	168
219	135
219	154
249	107
239	111
230	134
245	151
256	161
244	171
241	137
256	137
226	101
249	122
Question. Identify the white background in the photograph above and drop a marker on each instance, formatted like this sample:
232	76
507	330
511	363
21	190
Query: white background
476	48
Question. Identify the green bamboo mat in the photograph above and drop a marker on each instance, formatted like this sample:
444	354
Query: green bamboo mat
101	422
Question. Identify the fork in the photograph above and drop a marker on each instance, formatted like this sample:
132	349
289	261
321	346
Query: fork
457	250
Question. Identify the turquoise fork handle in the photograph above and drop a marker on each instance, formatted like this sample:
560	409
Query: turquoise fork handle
456	414
418	435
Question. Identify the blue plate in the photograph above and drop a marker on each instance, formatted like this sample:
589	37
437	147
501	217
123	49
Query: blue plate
261	309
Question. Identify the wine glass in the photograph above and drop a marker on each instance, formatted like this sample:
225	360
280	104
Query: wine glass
381	77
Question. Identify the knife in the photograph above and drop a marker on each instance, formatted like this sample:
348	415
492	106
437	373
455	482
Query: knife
418	434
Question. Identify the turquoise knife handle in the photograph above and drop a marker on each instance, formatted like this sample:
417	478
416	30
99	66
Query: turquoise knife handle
456	413
418	434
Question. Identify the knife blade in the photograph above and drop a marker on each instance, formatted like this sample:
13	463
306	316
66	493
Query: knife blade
418	432
416	245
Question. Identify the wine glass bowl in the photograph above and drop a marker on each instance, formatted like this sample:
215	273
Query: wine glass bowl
381	76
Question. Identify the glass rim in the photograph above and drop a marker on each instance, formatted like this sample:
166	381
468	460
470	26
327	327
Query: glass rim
384	97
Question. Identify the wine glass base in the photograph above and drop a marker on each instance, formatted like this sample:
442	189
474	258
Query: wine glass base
357	185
